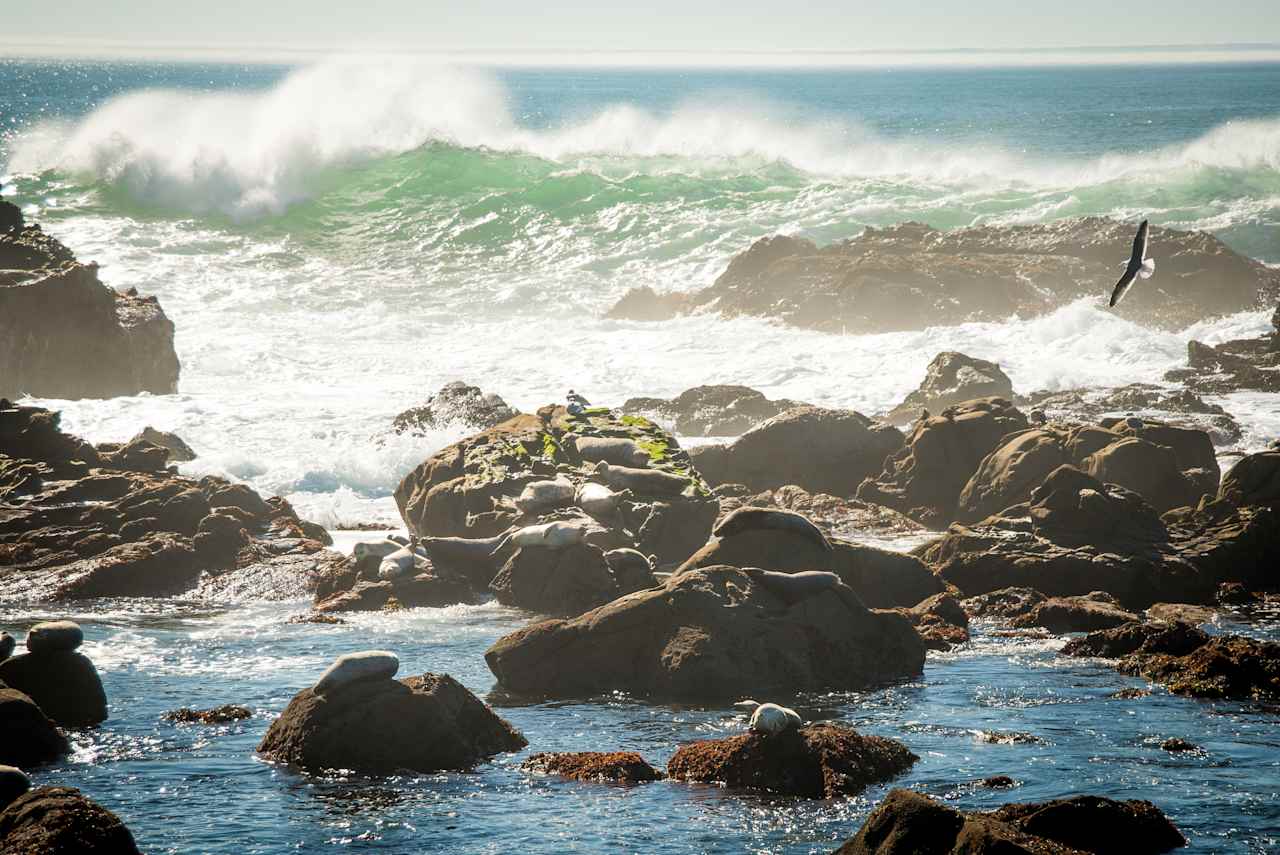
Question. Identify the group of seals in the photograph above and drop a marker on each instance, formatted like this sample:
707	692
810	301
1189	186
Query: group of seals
770	719
352	667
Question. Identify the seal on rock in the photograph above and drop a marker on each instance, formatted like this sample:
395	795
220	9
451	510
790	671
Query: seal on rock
753	519
379	548
539	496
54	635
794	587
596	499
353	667
7	643
619	450
770	719
552	535
402	562
645	482
445	551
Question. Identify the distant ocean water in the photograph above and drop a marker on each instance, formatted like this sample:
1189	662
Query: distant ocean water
335	242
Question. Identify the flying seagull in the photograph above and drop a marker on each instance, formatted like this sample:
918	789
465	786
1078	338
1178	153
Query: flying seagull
1139	265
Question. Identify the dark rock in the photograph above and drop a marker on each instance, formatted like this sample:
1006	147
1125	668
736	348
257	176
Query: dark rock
820	450
64	683
217	715
614	767
1243	364
953	378
910	822
455	403
13	783
998	782
27	736
1254	480
1175	744
1179	408
818	761
61	821
715	632
940	621
179	451
836	516
924	478
1177	612
64	334
710	410
1095	610
910	276
1235	594
645	304
565	581
1004	603
420	724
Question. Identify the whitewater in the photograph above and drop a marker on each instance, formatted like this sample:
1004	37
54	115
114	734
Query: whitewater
335	242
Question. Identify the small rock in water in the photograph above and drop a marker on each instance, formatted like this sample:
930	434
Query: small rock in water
1130	694
998	782
995	737
56	635
13	783
615	767
353	667
217	715
330	620
1175	744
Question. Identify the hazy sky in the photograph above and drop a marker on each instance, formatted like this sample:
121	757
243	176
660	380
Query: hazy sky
655	25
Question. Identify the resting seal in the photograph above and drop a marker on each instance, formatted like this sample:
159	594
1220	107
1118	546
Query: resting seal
770	719
352	667
402	562
552	535
644	482
791	588
596	499
378	548
619	450
753	519
539	496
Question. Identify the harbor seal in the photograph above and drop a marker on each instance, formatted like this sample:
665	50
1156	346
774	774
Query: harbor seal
770	719
353	667
377	548
644	482
7	643
552	535
402	562
596	499
753	519
446	551
619	450
54	636
791	588
539	496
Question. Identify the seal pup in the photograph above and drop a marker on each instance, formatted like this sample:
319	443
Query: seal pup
353	667
753	519
644	482
1139	265
539	496
611	449
792	588
770	719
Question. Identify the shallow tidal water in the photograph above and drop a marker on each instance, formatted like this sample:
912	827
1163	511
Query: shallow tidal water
198	789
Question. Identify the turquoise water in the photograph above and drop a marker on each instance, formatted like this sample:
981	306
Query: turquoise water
337	241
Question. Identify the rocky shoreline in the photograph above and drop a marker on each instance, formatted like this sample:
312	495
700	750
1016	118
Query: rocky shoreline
704	575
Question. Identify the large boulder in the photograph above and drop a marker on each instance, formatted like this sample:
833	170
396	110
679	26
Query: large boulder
378	725
1243	364
64	334
613	767
710	410
57	677
837	516
924	479
953	378
820	450
61	821
455	404
27	736
1093	611
714	632
907	822
911	277
566	581
821	761
1253	480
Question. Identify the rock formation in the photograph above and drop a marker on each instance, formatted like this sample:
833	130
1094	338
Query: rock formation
61	821
953	378
455	404
710	410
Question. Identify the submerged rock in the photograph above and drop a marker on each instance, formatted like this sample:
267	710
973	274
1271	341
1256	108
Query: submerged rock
455	403
820	450
61	821
818	761
64	334
615	767
715	632
217	715
710	410
907	822
953	378
382	726
911	276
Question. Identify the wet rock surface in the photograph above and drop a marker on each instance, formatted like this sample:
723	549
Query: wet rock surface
710	410
953	378
27	736
381	726
217	715
714	632
836	516
64	334
62	821
911	276
455	403
1251	364
612	767
1093	611
817	761
911	822
81	521
817	449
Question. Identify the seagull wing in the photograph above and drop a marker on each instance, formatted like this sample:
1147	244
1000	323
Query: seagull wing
1139	245
1135	264
1125	281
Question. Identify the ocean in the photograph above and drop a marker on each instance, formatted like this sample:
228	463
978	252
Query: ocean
334	242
